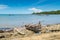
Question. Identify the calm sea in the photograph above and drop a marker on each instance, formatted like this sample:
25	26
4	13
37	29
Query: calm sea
17	20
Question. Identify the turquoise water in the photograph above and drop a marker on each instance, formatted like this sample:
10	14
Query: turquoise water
17	20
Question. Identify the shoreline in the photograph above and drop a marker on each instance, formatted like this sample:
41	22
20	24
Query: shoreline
30	30
8	28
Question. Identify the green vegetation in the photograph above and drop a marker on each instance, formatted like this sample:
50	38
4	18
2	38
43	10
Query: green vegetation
49	12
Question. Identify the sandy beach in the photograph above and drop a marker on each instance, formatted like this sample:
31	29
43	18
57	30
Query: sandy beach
48	32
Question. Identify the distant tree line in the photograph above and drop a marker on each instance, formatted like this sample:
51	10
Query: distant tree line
49	12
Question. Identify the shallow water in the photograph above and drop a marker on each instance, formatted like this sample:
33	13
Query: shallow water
16	20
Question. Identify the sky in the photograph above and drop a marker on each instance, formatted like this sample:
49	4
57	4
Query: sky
28	6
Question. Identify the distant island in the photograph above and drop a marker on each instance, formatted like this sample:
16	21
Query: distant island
47	12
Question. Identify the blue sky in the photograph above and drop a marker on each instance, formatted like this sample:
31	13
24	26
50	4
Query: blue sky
28	6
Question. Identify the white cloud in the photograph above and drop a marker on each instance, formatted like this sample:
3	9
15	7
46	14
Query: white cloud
3	6
35	10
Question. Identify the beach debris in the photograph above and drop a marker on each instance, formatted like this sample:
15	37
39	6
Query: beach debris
28	30
19	31
1	31
35	28
9	31
51	28
22	32
2	36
